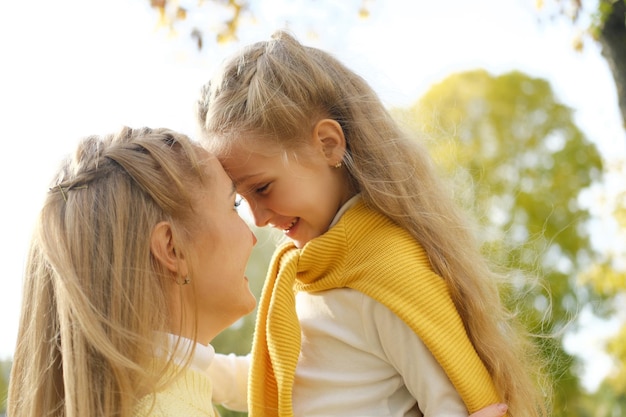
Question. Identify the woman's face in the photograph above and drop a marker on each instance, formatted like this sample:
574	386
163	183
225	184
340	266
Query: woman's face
221	245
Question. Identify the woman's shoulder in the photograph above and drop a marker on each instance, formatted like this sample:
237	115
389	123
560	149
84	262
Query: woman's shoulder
188	395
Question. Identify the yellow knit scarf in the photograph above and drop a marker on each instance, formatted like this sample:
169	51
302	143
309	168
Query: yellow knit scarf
367	252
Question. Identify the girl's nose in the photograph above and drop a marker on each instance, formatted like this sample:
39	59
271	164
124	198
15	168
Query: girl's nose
261	215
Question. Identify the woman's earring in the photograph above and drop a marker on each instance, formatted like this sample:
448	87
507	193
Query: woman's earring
185	281
338	164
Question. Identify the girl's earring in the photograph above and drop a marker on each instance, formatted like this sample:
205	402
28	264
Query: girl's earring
338	164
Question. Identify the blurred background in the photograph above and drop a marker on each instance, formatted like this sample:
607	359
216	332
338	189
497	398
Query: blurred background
520	101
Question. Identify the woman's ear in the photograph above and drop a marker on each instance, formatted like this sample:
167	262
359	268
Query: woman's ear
329	135
163	248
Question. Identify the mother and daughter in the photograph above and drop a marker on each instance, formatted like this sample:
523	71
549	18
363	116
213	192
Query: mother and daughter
378	304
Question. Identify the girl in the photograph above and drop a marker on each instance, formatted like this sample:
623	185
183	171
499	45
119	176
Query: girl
380	304
136	264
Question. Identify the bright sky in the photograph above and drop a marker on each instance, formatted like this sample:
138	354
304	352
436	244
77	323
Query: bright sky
72	68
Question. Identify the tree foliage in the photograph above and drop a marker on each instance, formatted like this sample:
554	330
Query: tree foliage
521	164
609	278
171	12
230	15
5	368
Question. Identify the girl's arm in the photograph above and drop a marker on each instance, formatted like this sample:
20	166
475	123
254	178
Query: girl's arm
493	410
424	378
229	376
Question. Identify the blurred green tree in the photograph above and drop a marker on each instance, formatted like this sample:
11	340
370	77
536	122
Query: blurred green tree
609	279
520	165
5	369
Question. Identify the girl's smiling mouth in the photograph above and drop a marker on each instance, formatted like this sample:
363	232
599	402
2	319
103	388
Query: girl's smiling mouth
290	226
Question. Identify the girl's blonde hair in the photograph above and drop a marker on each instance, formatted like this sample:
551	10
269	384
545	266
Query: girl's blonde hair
279	89
94	296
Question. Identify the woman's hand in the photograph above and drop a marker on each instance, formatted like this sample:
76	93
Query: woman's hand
493	410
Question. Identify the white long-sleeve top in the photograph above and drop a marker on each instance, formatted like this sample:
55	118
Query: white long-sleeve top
357	359
360	359
229	374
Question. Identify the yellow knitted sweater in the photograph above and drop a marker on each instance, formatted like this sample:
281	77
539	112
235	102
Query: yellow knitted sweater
367	252
187	396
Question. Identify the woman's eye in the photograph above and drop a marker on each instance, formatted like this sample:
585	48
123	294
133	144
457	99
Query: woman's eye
238	201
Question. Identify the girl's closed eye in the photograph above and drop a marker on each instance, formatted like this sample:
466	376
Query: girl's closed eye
262	189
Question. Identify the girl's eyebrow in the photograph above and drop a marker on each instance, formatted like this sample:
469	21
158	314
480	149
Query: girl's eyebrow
245	178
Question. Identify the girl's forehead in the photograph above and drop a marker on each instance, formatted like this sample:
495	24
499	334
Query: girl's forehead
250	146
244	157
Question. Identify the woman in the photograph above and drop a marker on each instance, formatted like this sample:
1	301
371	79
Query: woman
137	262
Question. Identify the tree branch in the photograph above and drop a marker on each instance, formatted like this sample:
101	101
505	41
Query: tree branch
613	41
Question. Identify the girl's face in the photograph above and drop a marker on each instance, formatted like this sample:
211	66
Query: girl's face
297	193
221	246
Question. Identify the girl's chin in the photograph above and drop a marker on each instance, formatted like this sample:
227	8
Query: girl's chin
300	242
300	237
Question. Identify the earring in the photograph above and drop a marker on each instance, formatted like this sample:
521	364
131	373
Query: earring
185	281
338	164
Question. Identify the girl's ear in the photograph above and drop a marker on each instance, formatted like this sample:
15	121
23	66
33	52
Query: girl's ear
163	248
329	135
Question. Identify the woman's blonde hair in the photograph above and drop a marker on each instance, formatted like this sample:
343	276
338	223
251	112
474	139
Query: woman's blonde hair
94	296
279	89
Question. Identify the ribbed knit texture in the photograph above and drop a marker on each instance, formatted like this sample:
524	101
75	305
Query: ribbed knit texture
367	252
188	396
